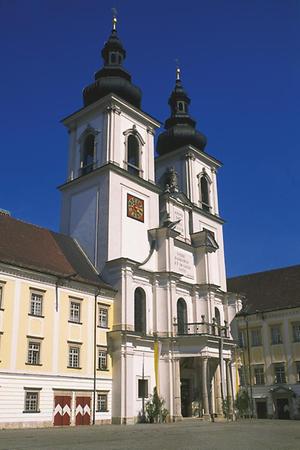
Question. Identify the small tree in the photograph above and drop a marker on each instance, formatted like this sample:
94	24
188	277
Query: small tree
155	410
226	407
242	403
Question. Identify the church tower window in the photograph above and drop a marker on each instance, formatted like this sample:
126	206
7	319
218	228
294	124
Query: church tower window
204	193
181	106
88	154
133	155
140	311
181	316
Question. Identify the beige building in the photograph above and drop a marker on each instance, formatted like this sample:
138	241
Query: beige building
55	312
268	330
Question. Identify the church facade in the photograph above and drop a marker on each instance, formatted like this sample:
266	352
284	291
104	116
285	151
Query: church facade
151	227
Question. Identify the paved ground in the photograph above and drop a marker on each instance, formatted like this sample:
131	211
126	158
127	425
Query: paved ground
186	435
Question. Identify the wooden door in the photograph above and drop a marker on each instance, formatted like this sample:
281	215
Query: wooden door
83	410
62	410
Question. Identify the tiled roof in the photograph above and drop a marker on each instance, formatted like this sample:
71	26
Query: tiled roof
31	247
273	289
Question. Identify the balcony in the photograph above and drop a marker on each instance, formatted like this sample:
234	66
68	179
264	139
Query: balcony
201	328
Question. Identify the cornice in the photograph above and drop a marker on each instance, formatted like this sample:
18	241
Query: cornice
54	280
188	151
114	168
110	101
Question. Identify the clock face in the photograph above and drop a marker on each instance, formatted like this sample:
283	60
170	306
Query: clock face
135	208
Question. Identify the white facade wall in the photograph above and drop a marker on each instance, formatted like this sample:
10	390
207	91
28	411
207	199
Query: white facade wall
12	395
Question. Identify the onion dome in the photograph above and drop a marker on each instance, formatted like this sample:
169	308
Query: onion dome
180	127
113	78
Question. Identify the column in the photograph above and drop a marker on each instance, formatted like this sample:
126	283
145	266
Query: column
204	386
228	386
176	389
218	393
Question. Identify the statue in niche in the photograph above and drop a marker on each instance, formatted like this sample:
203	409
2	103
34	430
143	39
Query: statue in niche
171	180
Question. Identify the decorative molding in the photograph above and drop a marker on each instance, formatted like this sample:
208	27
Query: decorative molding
35	337
114	109
190	155
88	130
135	133
150	130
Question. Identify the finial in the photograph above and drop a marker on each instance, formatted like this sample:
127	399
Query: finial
114	20
177	70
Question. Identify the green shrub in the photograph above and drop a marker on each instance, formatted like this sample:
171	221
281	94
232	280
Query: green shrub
155	410
242	403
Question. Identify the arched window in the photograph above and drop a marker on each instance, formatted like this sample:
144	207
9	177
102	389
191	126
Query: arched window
204	186
140	310
87	162
181	317
133	155
115	58
181	106
218	320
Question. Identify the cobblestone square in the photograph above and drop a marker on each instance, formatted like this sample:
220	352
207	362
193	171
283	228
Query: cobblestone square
186	435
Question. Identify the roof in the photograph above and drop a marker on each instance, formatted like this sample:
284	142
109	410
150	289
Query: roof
42	250
270	290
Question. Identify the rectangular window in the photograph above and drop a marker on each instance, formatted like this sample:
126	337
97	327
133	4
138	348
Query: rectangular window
34	350
103	316
259	376
36	304
74	355
74	312
31	402
279	370
276	335
297	371
1	295
142	388
102	359
255	337
296	332
102	402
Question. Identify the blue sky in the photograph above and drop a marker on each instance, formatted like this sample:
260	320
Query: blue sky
240	66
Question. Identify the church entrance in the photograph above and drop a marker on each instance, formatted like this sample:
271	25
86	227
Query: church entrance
185	392
190	387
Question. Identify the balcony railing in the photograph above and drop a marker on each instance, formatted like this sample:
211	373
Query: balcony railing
201	328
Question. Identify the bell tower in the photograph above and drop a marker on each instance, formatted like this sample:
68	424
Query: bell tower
110	198
192	201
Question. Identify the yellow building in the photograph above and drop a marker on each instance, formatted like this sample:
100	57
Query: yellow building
268	330
55	312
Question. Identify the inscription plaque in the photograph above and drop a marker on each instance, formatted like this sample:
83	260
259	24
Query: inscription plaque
183	263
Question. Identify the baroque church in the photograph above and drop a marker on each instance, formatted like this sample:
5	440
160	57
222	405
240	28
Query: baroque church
150	228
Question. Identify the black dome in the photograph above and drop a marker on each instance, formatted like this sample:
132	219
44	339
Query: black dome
179	136
180	127
113	78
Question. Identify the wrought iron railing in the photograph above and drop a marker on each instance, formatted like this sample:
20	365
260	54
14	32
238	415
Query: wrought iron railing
201	328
